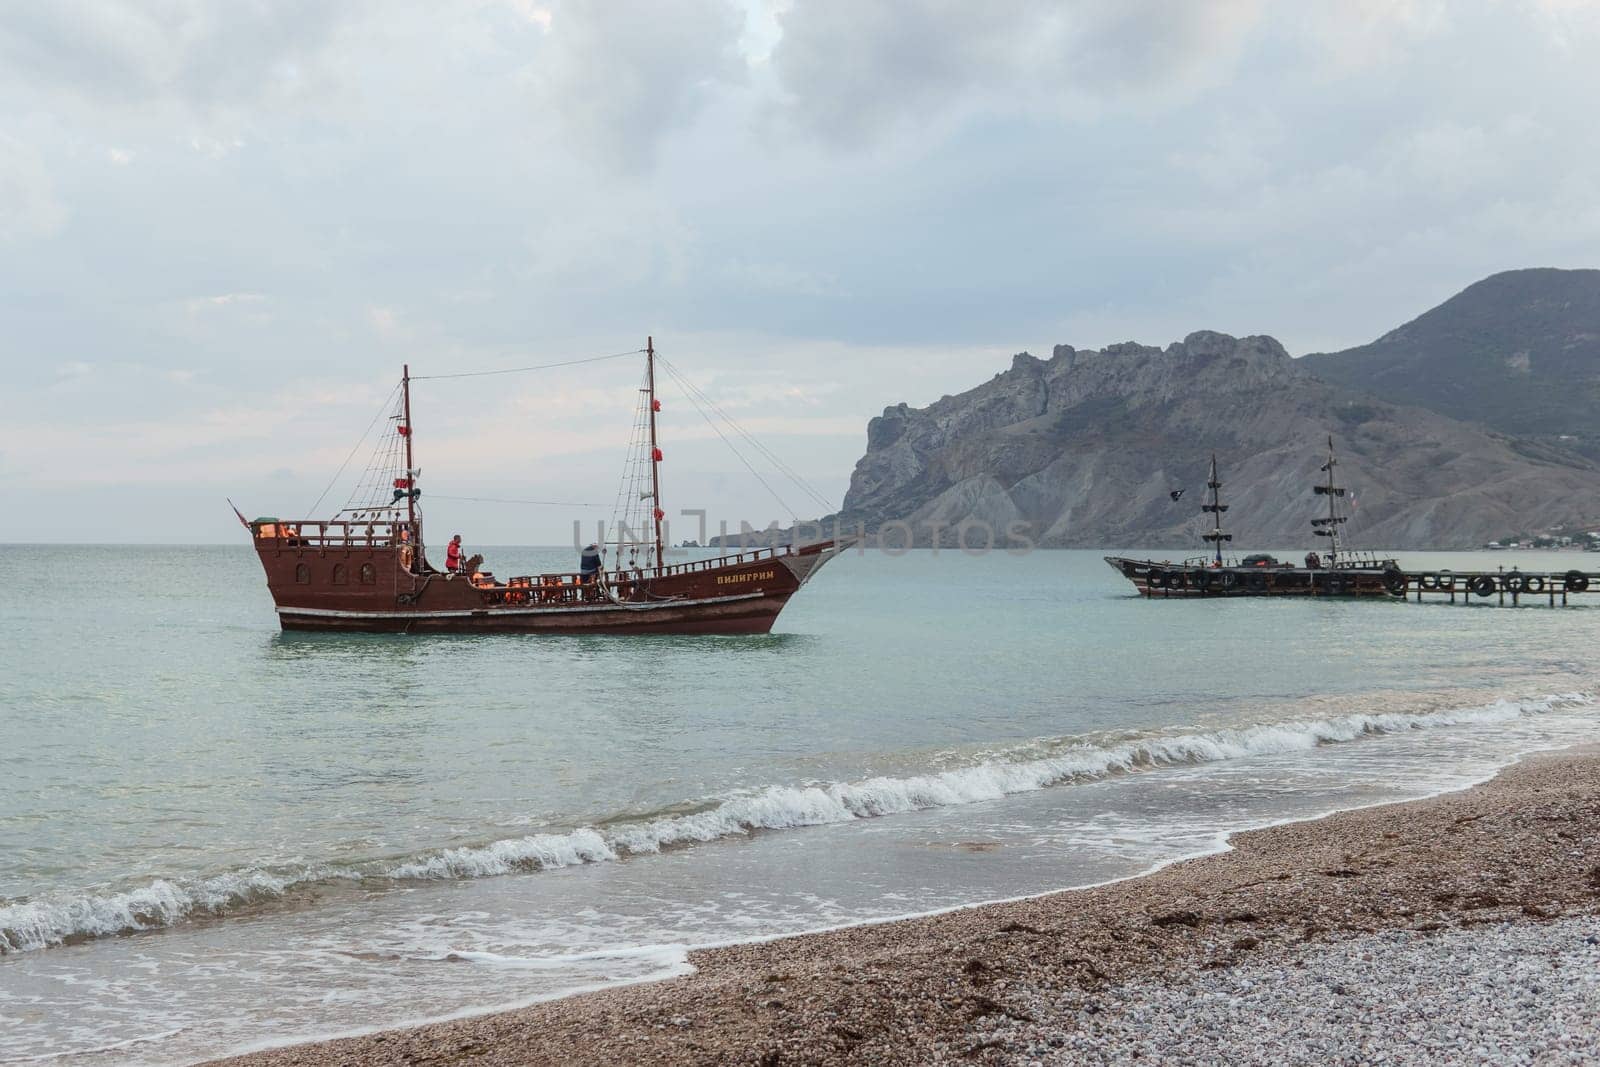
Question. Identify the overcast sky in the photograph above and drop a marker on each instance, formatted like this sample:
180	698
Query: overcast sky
224	226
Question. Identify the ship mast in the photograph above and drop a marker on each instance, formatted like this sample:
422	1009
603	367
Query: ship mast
411	489
1329	527
1216	507
656	511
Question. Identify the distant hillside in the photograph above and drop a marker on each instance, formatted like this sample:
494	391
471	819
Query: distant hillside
1085	448
1518	352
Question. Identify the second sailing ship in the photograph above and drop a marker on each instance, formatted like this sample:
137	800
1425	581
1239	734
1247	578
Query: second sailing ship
1328	570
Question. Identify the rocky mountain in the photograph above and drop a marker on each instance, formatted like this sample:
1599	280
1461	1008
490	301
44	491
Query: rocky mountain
1518	352
1085	448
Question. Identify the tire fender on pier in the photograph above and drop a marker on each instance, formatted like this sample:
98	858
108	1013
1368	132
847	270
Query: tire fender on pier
1483	585
1576	581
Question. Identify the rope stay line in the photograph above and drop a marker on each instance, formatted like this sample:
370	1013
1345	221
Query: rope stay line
361	441
635	503
740	455
697	396
385	467
504	500
519	370
385	474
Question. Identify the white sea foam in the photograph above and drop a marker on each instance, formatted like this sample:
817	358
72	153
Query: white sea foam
39	923
45	921
788	807
534	852
114	1046
650	957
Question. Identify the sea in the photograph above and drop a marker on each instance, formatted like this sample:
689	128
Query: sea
216	837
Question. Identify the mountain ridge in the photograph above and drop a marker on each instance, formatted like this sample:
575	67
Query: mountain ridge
1518	352
1084	449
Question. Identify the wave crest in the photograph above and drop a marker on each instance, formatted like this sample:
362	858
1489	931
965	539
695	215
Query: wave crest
33	924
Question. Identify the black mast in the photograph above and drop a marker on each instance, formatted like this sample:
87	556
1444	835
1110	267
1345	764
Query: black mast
656	512
405	431
1329	527
1216	507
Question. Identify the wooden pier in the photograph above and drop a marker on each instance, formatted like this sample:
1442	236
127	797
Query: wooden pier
1500	586
1336	572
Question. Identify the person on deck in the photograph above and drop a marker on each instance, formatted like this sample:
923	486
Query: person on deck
452	555
1313	561
589	563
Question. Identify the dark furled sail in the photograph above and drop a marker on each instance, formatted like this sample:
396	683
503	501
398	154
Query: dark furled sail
1328	526
1215	507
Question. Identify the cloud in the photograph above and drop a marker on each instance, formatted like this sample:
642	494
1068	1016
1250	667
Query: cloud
215	147
222	300
386	323
620	76
853	73
864	202
536	13
29	207
122	52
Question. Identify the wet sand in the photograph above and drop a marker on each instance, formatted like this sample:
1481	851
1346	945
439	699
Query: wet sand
1459	919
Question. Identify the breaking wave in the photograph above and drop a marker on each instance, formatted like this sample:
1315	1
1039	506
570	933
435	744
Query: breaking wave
40	923
30	924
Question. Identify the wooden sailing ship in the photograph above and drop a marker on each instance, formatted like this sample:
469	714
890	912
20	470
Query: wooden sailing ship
368	568
1330	571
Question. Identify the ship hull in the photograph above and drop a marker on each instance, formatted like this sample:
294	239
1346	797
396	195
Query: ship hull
751	614
1162	580
336	577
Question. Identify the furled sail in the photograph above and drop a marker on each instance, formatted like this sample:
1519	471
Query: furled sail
1215	507
1328	525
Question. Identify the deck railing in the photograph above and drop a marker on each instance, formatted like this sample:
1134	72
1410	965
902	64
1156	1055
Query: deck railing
748	555
570	587
336	533
541	589
558	588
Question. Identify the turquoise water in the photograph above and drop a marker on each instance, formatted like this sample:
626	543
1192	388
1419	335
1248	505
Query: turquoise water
215	835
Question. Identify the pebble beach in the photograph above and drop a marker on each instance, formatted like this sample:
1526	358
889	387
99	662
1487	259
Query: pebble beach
1464	928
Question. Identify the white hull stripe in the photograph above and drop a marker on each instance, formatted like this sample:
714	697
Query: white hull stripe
478	613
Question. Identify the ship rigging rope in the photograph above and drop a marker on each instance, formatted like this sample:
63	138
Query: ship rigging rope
734	449
503	500
336	474
377	482
698	398
385	461
519	370
632	520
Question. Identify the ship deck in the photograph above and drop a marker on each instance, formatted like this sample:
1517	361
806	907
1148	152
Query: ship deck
1367	576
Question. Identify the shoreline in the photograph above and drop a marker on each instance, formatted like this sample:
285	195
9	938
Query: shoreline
969	982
